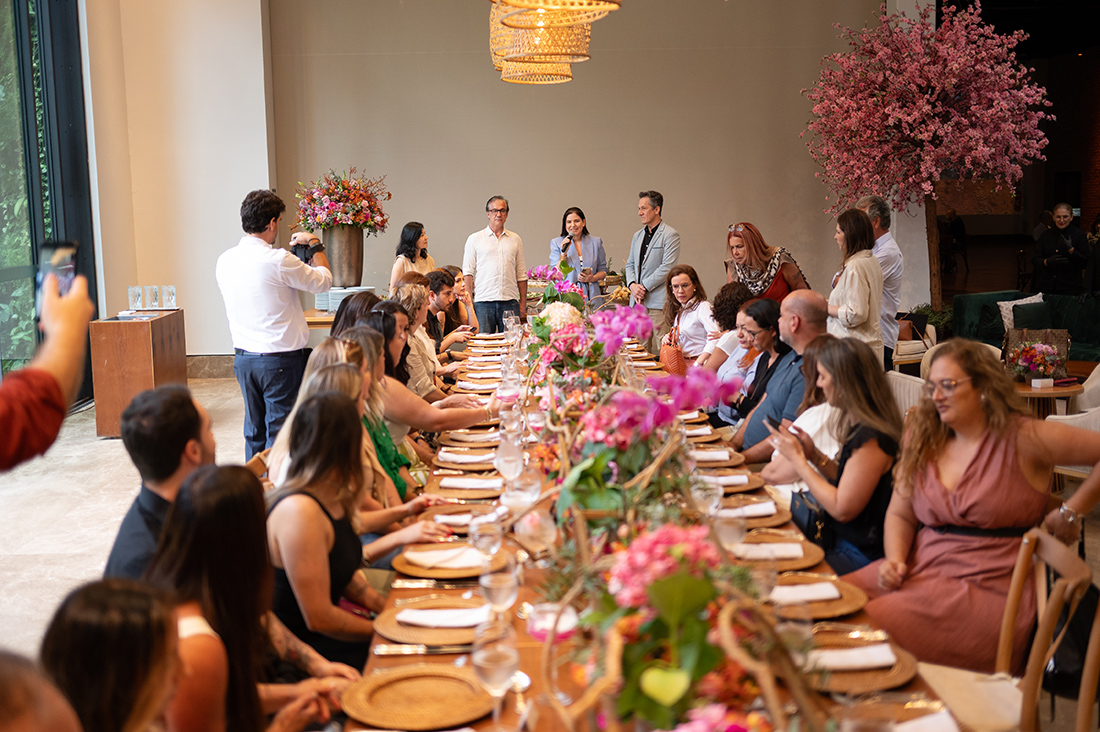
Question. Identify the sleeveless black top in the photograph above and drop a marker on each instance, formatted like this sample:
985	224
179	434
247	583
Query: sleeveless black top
344	559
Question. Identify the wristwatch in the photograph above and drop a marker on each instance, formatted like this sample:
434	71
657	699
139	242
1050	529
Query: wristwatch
1071	516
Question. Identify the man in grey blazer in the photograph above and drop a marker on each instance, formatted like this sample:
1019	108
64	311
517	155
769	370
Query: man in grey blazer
654	250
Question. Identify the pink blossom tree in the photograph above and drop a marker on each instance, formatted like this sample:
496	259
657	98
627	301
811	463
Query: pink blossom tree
910	102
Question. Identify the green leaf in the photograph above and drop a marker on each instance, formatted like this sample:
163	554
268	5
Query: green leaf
565	267
677	596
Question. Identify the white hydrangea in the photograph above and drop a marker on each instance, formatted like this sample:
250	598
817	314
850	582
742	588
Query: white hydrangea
560	314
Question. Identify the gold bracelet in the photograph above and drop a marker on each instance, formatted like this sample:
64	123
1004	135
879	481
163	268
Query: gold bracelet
824	461
488	414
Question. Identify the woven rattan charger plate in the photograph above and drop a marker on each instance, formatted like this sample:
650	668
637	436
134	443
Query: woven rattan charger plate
461	493
812	554
466	467
387	624
446	439
780	517
862	682
755	481
431	513
487	388
697	419
851	600
423	696
735	459
404	566
712	436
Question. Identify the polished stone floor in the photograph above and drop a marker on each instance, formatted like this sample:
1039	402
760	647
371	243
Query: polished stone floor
60	513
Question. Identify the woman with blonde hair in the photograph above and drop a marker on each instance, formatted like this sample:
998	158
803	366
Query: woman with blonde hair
854	490
423	365
769	272
973	477
855	304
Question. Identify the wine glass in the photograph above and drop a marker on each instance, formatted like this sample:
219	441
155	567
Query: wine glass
487	537
731	530
500	587
765	577
537	531
794	625
508	391
496	660
509	459
536	424
707	497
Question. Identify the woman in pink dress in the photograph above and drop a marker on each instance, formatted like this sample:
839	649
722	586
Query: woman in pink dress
973	476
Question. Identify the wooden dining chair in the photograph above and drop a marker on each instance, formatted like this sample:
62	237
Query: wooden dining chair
1038	550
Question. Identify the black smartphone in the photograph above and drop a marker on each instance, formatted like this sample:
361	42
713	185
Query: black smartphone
775	423
59	259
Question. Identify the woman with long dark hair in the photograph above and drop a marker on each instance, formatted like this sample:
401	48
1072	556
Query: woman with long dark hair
854	490
220	604
855	304
581	251
412	253
690	315
759	320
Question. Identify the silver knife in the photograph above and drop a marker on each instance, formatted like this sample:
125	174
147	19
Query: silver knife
430	584
419	649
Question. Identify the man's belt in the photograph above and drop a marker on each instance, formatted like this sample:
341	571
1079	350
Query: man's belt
242	352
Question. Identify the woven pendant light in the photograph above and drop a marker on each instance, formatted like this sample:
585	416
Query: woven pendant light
527	18
500	37
551	45
522	72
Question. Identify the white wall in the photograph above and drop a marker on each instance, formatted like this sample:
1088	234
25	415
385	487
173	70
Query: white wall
179	133
699	100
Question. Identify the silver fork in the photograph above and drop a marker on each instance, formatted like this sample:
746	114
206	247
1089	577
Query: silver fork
410	600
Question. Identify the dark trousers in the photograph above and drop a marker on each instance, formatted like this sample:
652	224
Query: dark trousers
269	383
490	314
888	358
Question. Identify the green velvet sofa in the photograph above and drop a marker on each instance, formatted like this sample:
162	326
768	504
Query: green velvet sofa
977	317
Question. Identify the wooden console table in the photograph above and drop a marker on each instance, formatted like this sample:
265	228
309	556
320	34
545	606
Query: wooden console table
130	356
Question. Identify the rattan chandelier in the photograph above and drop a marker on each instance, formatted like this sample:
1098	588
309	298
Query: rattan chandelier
500	37
526	18
550	45
523	72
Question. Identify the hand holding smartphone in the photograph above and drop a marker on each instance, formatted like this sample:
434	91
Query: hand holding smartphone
59	259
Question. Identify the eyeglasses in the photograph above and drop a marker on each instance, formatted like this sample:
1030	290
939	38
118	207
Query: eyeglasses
498	211
947	386
735	228
752	333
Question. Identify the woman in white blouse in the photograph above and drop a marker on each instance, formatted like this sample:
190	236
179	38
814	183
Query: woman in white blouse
856	301
686	307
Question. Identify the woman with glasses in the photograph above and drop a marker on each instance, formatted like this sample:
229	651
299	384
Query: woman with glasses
855	304
854	489
581	251
973	476
768	272
687	308
758	324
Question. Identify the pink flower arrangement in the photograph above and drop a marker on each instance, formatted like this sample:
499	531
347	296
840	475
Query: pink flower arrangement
912	101
1035	360
613	327
626	418
697	388
569	339
720	718
565	286
545	272
343	199
657	554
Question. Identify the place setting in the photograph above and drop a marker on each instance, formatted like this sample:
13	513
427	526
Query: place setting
456	560
700	433
470	438
716	457
787	549
757	512
457	517
731	480
464	459
824	596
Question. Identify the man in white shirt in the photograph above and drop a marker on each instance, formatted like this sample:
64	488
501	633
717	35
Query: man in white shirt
654	250
260	284
889	257
495	270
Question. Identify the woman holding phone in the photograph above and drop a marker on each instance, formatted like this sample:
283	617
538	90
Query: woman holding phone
581	251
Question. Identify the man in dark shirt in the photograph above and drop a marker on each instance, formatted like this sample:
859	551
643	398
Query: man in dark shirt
441	295
167	435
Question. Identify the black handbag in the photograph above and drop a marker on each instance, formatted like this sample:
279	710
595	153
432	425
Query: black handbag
1062	675
814	522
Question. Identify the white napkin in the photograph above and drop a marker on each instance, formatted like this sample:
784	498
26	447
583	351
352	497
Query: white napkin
640	356
645	363
936	722
878	655
779	550
464	617
488	337
453	519
749	510
448	456
461	557
485	374
738	479
814	592
701	431
480	484
485	358
471	386
480	436
483	366
688	415
494	349
709	456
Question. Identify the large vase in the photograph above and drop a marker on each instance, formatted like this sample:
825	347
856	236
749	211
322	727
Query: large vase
344	248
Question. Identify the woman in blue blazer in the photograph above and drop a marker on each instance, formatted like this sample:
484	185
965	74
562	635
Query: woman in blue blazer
583	252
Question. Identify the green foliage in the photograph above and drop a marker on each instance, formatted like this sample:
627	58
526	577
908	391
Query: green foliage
586	486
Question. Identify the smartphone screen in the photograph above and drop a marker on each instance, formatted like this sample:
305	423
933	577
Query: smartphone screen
59	259
775	423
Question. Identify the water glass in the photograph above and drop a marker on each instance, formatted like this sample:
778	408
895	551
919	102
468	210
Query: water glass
707	497
794	624
500	587
508	391
486	536
731	531
509	460
536	423
764	576
496	659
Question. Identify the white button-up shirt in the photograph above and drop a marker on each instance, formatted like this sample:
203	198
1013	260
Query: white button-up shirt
496	264
889	257
260	287
695	326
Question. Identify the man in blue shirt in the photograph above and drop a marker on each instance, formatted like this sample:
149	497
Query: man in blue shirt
802	317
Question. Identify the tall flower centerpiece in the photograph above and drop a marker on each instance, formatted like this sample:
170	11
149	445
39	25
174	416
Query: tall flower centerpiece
344	206
1034	360
913	101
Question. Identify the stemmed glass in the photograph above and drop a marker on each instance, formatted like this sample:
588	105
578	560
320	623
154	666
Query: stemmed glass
707	497
500	587
509	458
487	537
509	390
731	531
524	491
496	660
